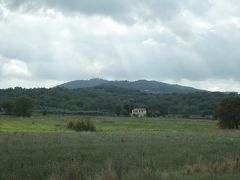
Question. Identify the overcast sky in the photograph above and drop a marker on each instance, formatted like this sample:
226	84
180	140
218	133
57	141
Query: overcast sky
189	42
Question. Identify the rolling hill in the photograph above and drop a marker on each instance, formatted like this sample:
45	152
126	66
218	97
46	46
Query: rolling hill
142	85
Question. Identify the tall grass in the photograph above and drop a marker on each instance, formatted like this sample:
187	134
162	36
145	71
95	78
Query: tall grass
120	155
121	149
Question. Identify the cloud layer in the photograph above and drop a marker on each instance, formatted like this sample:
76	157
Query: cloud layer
191	42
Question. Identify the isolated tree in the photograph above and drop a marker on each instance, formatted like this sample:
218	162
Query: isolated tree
23	106
228	113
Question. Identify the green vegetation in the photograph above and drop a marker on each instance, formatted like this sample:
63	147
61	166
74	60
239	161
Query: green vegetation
32	124
59	123
42	147
229	113
19	106
109	100
82	125
8	106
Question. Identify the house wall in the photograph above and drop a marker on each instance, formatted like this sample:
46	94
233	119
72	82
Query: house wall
139	112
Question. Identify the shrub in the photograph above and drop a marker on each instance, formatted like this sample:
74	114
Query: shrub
82	125
44	112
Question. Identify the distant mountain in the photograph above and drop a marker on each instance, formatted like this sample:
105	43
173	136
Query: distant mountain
84	83
142	85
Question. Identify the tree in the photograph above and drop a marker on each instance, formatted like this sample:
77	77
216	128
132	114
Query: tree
8	107
23	106
128	107
228	113
118	110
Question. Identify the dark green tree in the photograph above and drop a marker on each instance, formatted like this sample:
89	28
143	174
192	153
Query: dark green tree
23	106
8	106
118	110
128	107
228	113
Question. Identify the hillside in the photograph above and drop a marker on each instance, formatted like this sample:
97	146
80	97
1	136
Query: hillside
108	99
142	85
78	84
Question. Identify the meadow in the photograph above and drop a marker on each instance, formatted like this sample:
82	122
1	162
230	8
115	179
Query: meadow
41	147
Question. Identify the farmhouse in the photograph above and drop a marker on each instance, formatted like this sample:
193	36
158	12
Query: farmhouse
139	112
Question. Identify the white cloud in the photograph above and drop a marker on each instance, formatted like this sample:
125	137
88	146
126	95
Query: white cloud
15	68
26	83
150	42
224	85
60	40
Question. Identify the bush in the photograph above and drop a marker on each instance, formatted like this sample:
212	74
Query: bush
44	112
82	125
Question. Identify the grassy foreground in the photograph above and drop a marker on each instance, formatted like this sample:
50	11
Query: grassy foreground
122	148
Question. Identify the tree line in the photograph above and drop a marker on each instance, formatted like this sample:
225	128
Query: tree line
19	106
113	100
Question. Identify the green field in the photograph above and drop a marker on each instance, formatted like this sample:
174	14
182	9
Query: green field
42	147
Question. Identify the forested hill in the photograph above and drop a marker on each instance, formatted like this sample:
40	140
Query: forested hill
142	85
111	100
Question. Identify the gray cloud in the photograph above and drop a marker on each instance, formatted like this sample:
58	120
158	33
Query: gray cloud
124	11
176	41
